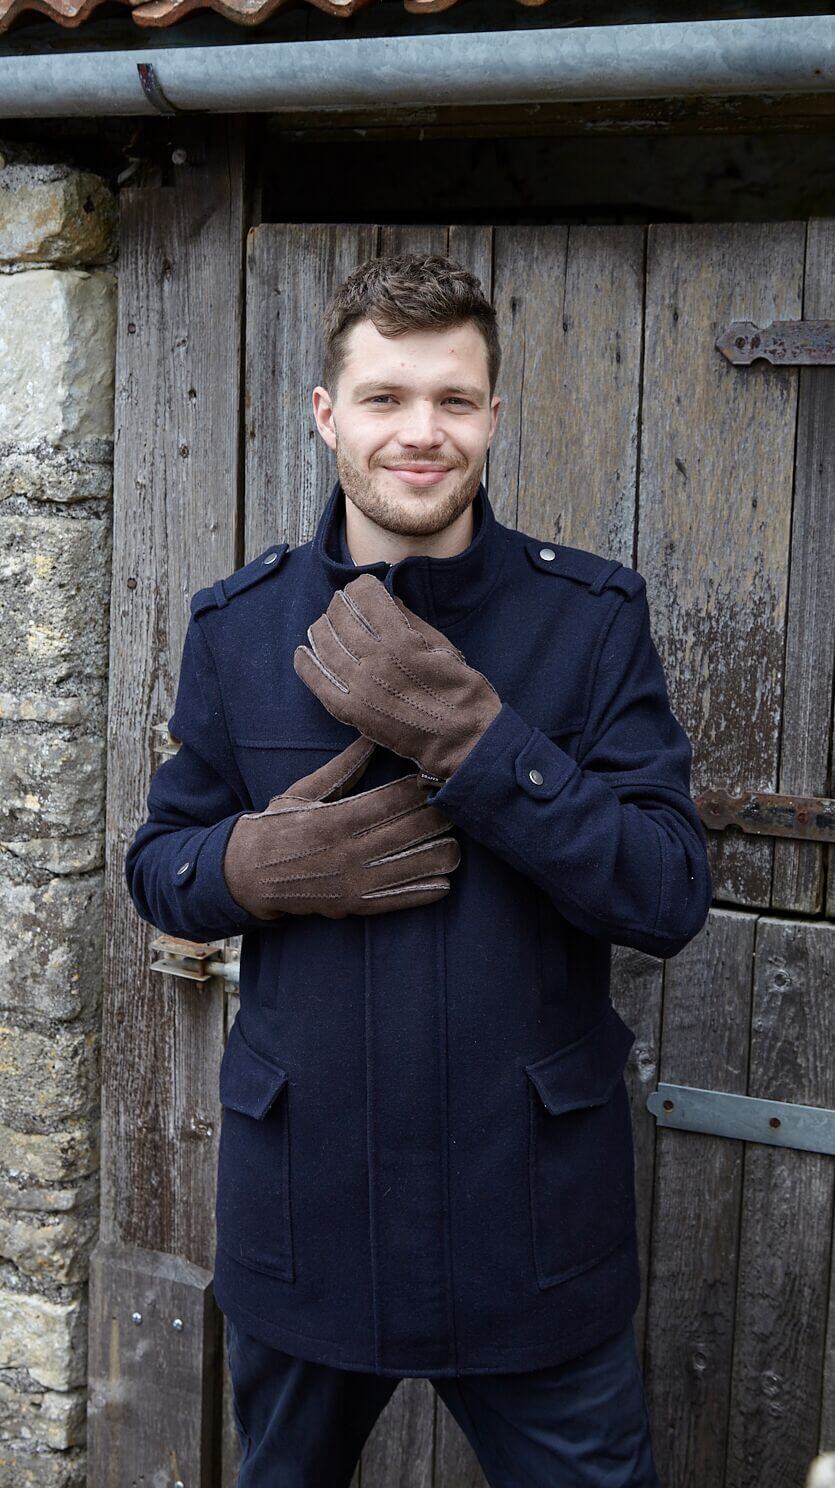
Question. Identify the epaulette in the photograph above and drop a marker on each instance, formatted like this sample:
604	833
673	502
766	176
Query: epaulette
220	593
584	567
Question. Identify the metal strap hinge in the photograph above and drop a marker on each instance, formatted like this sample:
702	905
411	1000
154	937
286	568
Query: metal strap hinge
747	1117
811	818
787	343
192	960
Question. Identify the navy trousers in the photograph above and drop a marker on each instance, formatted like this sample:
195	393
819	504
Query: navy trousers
579	1424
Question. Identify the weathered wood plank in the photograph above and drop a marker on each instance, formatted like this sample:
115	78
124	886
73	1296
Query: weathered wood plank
787	1215
153	1383
690	1314
291	270
175	529
400	1448
175	496
716	481
810	640
570	303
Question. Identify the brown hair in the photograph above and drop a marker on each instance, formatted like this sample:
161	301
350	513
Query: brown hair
406	292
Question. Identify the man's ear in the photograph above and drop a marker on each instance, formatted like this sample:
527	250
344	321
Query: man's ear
323	414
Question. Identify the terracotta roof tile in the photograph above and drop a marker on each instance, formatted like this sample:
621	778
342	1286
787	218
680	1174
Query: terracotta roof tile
165	12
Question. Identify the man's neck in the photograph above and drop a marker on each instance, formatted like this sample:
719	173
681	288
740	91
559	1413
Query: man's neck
369	543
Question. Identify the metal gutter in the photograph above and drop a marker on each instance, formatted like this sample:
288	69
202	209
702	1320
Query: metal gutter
657	60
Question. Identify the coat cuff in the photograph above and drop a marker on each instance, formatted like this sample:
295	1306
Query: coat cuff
511	754
200	883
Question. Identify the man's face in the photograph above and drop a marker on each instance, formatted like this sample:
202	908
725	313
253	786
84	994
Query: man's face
410	424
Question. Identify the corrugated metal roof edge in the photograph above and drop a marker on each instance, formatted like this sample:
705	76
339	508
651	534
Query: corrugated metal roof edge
158	13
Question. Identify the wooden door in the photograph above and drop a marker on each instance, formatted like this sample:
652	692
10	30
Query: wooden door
623	430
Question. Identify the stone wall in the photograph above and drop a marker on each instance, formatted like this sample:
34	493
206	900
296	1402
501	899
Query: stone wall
57	334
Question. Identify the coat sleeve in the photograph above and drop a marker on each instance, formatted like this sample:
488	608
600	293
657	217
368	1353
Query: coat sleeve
613	837
174	865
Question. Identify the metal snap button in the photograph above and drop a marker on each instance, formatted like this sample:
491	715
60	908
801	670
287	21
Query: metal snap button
183	866
536	776
270	558
547	553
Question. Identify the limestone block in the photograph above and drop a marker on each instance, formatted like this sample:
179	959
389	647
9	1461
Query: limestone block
54	600
53	854
60	1156
47	1077
51	952
50	779
22	1466
40	471
55	215
57	349
56	1418
50	1247
47	1338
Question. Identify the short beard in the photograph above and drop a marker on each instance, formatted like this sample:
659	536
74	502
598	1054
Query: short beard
413	519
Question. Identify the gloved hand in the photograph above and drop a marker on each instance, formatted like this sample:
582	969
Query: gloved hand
315	850
377	665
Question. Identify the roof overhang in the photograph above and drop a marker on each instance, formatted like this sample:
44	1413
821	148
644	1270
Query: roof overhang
655	60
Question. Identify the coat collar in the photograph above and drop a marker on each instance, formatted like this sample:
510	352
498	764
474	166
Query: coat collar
440	590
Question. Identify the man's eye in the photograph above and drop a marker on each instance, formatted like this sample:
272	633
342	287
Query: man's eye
383	397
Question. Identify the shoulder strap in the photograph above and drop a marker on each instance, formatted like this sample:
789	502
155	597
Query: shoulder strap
219	594
584	567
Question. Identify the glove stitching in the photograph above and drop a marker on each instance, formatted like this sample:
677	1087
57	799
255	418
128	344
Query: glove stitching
417	680
404	698
384	821
337	637
409	722
381	893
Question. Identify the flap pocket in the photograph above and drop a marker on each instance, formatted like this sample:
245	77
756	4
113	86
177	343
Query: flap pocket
249	1081
584	1073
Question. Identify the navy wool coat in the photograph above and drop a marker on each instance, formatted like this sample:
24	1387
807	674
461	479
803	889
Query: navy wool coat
426	1158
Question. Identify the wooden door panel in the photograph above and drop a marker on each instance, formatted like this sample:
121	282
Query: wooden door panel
622	430
570	306
716	477
175	502
799	867
698	1187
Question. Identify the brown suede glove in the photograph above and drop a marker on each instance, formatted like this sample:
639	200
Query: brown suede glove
312	852
377	665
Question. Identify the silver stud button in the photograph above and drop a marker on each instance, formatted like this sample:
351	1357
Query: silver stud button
536	776
183	866
547	553
270	558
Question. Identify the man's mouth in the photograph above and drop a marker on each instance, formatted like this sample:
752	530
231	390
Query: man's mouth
419	475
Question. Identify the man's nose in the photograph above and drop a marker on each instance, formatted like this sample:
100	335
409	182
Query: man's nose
422	428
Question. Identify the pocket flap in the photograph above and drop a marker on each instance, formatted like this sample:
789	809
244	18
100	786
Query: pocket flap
584	1073
249	1081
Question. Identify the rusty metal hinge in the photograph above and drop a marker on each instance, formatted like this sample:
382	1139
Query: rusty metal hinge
811	818
193	960
789	343
750	1118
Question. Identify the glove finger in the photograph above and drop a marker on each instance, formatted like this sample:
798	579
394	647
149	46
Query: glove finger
435	638
322	685
424	860
331	780
405	896
349	635
336	659
400	803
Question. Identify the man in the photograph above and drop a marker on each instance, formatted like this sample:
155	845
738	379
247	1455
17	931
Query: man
426	1163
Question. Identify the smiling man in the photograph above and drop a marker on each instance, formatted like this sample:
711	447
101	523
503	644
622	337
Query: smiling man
426	1163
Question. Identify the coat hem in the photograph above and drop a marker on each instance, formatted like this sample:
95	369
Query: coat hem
514	1360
